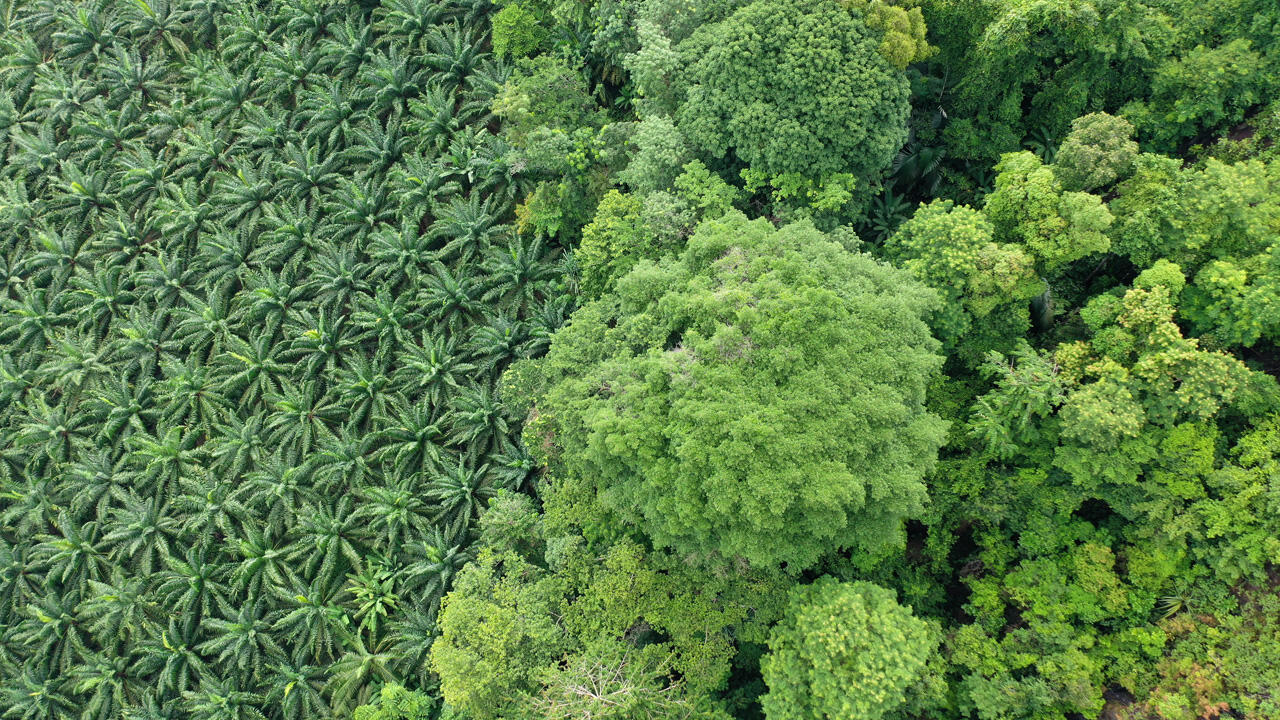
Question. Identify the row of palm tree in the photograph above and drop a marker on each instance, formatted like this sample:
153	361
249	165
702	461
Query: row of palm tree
257	285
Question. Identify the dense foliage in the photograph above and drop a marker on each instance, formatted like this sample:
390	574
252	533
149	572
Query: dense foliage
759	398
258	289
551	359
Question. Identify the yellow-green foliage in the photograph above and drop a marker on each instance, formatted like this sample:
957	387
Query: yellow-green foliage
843	650
1029	206
519	632
903	38
951	248
612	243
516	31
396	703
498	634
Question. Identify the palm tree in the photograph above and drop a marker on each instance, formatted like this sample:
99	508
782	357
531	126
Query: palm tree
408	440
264	568
157	23
363	390
337	274
453	52
303	176
433	368
313	622
252	368
356	671
279	494
300	417
203	326
433	119
397	513
212	512
330	542
191	395
407	22
143	341
297	691
466	227
164	460
122	610
361	208
217	699
100	296
240	195
237	444
349	47
90	35
328	113
519	274
398	257
37	696
396	79
319	343
140	533
462	492
476	418
129	76
242	640
29	321
51	432
387	321
451	300
497	341
108	683
170	658
121	408
189	589
77	362
54	638
433	563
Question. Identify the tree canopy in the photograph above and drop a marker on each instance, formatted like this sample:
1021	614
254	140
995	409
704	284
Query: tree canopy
760	396
797	87
639	359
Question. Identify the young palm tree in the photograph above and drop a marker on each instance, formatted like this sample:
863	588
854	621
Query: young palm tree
170	658
99	297
454	52
407	22
385	321
36	695
450	300
362	390
121	610
140	534
242	641
217	699
313	622
303	176
190	588
432	369
297	691
519	275
462	492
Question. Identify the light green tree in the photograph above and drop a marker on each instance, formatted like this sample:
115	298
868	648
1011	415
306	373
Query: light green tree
1029	206
843	650
1098	151
760	397
796	86
985	285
